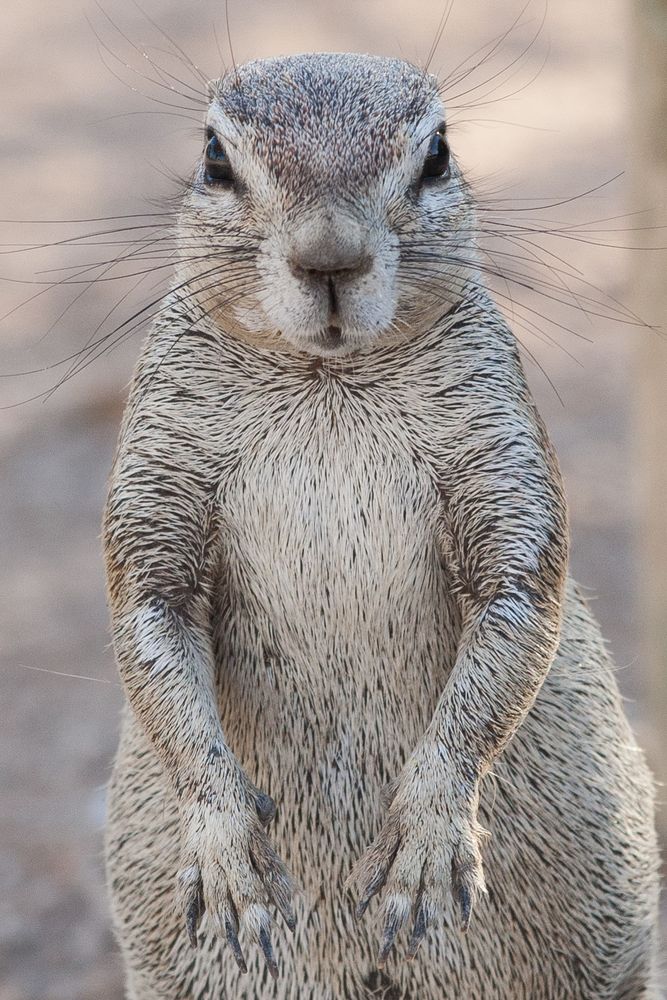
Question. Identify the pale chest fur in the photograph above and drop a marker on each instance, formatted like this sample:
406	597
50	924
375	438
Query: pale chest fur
335	604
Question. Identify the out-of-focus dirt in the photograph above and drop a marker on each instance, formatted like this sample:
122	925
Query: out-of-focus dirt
64	156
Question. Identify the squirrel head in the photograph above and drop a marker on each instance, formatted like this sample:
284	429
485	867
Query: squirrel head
326	214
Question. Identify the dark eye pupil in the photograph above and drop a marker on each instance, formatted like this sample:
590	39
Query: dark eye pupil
436	163
216	162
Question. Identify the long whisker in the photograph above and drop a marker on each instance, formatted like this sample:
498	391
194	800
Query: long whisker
195	96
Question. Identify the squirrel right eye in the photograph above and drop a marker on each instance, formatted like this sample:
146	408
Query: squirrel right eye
217	168
436	164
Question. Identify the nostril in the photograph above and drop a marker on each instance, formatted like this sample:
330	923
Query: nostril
329	272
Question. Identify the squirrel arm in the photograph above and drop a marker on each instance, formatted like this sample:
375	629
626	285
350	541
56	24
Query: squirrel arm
504	537
162	554
160	546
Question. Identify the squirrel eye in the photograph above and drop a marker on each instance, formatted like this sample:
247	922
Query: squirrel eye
216	162
436	163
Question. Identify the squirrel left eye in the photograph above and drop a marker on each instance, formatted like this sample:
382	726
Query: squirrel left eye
216	162
436	163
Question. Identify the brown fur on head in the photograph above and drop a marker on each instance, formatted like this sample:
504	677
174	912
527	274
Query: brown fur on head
315	224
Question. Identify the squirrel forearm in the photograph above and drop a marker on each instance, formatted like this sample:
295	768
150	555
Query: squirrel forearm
165	661
503	659
505	539
160	544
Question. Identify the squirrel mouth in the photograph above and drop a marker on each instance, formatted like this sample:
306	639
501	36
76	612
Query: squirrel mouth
331	338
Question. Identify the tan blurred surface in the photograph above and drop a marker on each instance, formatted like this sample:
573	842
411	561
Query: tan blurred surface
649	290
64	155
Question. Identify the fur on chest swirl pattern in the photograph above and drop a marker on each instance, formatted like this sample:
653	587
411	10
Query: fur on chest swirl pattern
332	590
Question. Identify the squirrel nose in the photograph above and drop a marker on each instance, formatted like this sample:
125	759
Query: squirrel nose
330	267
330	252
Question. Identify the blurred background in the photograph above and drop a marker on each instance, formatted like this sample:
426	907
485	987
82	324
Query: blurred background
555	111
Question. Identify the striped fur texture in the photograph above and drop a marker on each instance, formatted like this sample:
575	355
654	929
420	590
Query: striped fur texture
337	568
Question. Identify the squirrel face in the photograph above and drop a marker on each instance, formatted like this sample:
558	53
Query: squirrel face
326	213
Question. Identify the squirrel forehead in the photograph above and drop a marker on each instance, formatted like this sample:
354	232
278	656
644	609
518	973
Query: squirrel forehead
326	106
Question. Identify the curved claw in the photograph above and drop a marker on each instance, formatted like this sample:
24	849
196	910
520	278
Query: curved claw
467	882
419	928
372	871
392	926
286	910
465	904
192	922
373	887
397	912
267	948
231	925
277	880
194	911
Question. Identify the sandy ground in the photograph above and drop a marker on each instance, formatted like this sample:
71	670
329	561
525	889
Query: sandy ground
65	154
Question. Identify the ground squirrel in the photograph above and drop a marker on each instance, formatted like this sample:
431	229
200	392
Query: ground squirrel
336	544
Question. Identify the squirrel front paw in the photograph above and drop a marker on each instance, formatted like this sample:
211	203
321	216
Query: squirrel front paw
230	870
429	845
